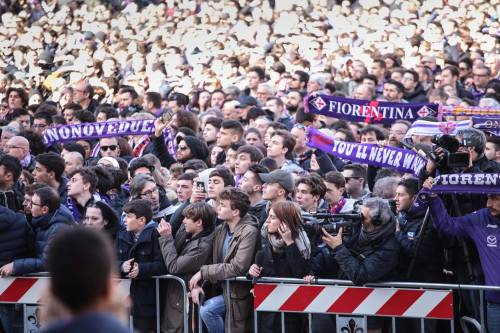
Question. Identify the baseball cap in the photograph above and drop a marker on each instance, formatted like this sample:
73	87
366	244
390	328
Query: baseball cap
246	101
278	176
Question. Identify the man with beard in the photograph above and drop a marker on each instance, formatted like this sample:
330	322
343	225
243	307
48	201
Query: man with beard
252	185
293	101
397	132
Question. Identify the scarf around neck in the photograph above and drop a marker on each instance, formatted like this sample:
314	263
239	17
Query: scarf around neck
278	244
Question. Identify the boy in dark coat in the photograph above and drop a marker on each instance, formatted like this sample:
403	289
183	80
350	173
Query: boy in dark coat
140	259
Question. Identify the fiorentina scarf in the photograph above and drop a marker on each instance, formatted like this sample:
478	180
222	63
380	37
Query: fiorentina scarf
401	160
479	183
431	128
380	112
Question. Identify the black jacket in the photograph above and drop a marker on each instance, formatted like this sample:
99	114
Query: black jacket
429	259
290	263
377	262
14	236
45	228
418	96
146	252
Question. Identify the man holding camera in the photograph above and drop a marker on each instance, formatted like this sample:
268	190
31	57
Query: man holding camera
369	255
473	142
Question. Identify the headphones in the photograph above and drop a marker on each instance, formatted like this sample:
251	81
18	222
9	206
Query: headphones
377	219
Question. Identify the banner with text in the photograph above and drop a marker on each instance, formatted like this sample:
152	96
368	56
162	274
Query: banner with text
85	131
387	157
480	183
367	111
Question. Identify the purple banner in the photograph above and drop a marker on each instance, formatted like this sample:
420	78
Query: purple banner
487	124
367	111
480	183
67	133
387	157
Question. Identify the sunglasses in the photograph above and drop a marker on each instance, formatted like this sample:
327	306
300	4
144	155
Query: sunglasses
112	147
182	148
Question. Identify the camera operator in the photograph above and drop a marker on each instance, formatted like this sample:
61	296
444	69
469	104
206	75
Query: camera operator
482	227
285	252
369	255
473	142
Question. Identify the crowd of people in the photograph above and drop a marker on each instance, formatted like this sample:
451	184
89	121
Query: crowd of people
226	184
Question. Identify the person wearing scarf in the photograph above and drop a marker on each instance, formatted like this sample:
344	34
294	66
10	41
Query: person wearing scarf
285	252
371	253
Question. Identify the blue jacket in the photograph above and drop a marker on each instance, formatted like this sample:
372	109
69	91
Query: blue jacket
14	236
45	228
96	322
146	252
484	229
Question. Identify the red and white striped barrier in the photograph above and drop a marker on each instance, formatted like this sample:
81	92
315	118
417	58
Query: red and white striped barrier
29	290
390	302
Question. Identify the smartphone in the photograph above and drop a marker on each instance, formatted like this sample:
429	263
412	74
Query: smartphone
167	116
200	185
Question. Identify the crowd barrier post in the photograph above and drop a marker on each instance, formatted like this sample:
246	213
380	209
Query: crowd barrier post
185	298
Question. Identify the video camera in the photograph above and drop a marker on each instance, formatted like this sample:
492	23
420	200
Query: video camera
451	158
331	223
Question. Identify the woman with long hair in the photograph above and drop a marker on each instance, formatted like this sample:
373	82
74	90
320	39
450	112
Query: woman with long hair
285	252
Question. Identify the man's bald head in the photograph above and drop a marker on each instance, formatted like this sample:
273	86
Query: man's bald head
363	91
17	146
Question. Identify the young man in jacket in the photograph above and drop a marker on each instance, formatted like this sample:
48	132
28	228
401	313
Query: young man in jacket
184	255
483	227
49	218
232	254
140	259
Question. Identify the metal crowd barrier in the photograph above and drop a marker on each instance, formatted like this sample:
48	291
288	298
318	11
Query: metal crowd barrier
386	299
283	295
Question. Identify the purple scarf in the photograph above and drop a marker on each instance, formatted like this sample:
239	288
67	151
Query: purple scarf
479	183
367	111
387	157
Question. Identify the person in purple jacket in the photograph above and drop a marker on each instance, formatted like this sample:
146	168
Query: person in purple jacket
483	227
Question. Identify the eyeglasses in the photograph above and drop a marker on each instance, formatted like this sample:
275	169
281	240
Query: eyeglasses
149	194
112	147
182	148
35	204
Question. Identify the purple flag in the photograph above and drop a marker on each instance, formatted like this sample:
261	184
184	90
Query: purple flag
367	111
401	160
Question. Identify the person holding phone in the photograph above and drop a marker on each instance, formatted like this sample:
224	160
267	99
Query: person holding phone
285	252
